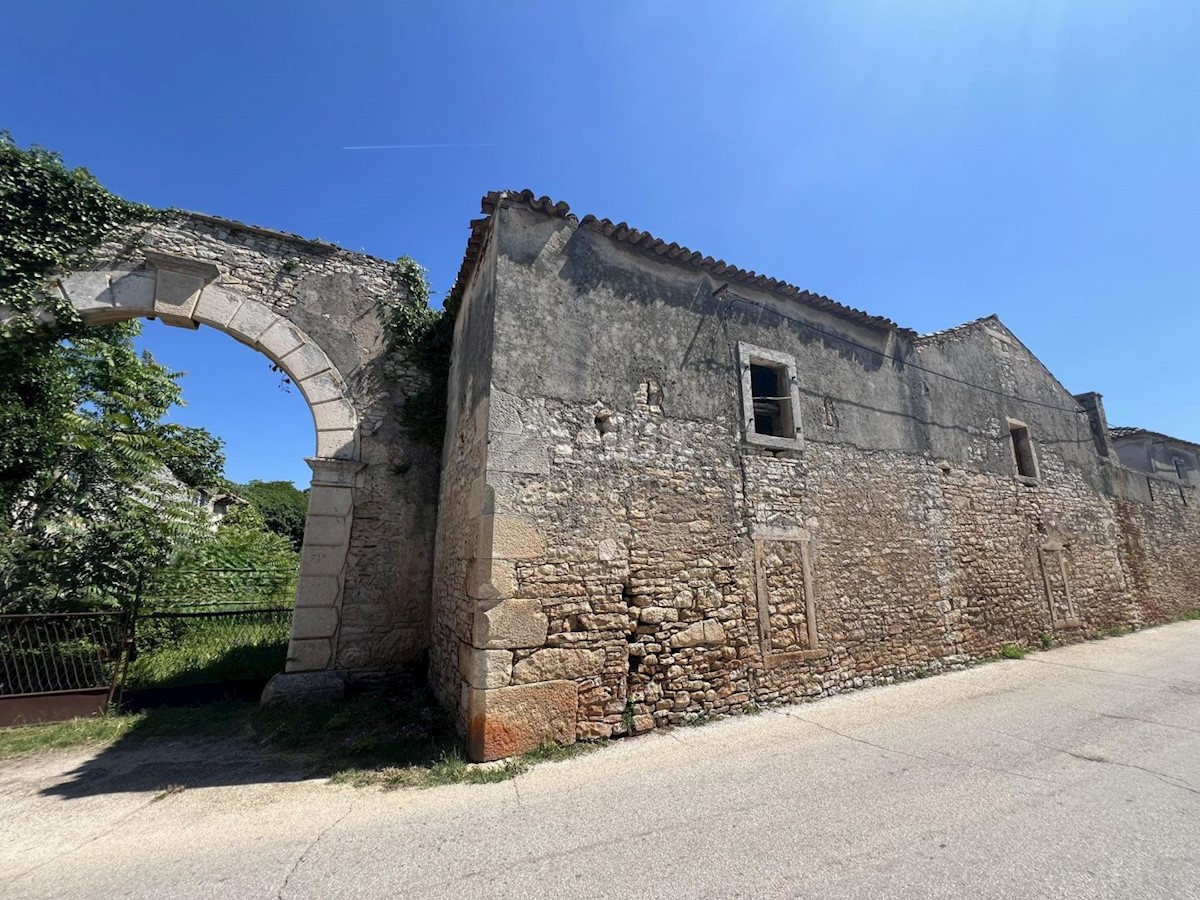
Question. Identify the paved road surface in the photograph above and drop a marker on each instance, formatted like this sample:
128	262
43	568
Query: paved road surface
1074	773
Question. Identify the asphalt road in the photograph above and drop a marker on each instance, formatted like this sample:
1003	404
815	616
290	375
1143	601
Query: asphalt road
1074	773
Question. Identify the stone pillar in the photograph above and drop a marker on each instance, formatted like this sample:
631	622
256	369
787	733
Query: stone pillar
511	711
317	615
316	619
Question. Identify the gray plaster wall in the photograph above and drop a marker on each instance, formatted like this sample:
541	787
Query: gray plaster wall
465	497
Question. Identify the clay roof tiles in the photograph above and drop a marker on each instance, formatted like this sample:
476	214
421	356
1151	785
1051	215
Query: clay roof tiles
646	242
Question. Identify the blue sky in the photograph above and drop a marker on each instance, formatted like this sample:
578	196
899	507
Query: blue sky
932	160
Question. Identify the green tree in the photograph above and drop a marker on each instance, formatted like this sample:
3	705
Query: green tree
282	506
84	506
244	562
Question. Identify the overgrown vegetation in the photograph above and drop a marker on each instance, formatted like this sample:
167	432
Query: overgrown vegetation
88	492
1012	651
281	504
424	337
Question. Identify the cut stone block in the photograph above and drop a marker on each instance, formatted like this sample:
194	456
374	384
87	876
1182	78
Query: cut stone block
323	386
557	664
314	622
706	633
280	339
319	560
88	292
335	415
508	537
511	720
491	579
484	668
175	296
309	655
251	322
330	500
317	590
305	361
336	444
326	531
510	624
216	307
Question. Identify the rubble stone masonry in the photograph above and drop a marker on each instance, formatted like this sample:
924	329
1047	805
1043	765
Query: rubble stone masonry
615	556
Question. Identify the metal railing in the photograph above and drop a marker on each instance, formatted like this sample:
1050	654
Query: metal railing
183	628
53	652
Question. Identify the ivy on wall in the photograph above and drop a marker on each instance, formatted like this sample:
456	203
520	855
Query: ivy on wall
51	218
425	336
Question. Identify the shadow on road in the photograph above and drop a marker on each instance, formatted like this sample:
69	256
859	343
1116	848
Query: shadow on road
238	743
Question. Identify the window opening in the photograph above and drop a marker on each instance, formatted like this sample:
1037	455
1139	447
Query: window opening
772	400
1023	451
1180	469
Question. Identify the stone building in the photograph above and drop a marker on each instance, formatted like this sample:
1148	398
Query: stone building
673	488
1157	454
669	487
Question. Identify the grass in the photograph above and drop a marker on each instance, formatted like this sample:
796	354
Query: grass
390	741
1012	651
213	650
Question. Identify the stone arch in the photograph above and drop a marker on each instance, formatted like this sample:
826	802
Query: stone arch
185	293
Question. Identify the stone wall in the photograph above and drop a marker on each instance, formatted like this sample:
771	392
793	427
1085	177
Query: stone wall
656	566
363	599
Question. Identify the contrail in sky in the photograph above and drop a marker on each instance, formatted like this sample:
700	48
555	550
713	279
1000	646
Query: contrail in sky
414	146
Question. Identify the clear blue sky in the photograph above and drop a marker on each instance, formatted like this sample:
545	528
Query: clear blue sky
932	160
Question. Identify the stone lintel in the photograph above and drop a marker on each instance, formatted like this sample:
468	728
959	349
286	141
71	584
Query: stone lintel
184	266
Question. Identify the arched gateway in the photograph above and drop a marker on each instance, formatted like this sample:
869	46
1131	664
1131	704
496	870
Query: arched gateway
362	601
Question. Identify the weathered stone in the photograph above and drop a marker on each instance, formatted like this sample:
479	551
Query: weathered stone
314	622
305	655
555	664
510	624
511	720
706	633
642	724
485	668
656	615
304	687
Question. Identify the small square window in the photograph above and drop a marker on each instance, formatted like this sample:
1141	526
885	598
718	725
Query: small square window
1022	448
770	398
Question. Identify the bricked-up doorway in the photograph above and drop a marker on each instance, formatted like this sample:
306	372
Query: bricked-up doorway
318	312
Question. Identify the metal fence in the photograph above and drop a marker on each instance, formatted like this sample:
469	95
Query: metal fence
222	628
60	652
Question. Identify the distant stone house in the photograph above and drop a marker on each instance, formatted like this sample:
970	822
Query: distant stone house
669	487
1157	454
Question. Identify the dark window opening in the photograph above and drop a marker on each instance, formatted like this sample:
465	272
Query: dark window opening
1023	451
772	400
1180	469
